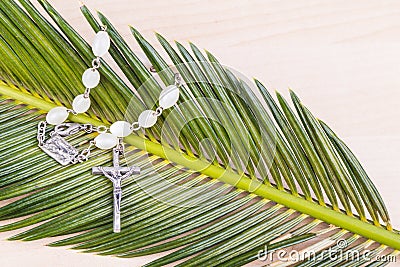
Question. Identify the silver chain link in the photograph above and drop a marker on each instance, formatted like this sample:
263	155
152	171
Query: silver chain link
100	129
88	128
158	111
86	93
72	111
120	146
135	126
84	155
178	80
41	132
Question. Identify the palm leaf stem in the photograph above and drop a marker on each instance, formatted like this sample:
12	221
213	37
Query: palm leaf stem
328	215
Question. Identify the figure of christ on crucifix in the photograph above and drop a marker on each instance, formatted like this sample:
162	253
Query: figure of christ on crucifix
116	174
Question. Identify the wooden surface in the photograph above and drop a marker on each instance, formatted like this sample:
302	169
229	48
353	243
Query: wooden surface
341	57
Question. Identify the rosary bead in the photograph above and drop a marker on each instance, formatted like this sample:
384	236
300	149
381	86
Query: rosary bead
147	118
91	78
121	128
101	44
106	141
57	115
81	104
169	96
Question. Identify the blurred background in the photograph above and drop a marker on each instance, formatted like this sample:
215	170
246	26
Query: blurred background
341	57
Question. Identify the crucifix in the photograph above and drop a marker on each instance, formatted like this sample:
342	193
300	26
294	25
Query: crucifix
116	174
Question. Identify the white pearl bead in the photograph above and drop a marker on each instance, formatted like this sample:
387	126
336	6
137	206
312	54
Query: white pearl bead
147	118
121	128
57	115
169	96
81	104
101	44
106	141
91	78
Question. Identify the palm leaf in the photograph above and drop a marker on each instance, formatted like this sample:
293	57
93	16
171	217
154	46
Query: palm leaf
276	177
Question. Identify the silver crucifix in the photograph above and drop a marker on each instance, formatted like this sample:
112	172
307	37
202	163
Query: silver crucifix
116	174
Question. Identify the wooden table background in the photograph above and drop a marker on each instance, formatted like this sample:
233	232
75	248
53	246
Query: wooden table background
341	57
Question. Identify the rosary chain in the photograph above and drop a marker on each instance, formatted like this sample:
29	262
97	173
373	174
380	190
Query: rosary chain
81	104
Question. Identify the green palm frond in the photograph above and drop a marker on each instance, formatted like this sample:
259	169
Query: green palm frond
274	175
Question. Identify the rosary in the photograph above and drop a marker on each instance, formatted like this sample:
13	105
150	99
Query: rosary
64	153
